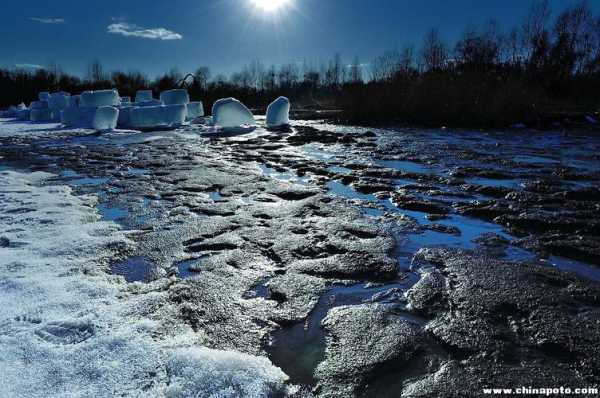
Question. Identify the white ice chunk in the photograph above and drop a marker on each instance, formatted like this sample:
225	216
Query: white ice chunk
77	117
41	115
39	105
125	116
99	98
24	114
21	106
144	96
10	112
231	113
194	110
105	118
152	102
175	97
157	116
44	96
70	116
74	100
278	113
58	100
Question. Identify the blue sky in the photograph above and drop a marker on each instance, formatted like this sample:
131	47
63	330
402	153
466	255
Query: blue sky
156	36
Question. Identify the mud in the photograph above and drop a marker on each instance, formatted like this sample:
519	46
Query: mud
392	262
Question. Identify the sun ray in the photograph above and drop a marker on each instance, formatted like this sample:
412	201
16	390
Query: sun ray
270	5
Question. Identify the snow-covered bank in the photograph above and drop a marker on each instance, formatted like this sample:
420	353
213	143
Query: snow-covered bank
20	129
69	329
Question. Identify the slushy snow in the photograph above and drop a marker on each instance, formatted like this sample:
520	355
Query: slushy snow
231	113
278	113
69	329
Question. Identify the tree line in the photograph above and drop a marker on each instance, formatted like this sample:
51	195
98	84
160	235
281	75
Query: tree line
488	77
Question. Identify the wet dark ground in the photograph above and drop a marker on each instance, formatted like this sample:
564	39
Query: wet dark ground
362	262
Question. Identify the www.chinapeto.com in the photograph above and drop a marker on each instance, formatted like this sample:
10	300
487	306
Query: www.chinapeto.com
547	391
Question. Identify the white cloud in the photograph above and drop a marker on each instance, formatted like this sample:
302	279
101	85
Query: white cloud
29	66
131	30
53	21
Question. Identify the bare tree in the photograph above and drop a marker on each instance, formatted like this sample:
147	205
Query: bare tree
96	72
385	66
288	75
407	59
203	76
535	34
434	53
513	48
480	47
574	30
356	71
269	78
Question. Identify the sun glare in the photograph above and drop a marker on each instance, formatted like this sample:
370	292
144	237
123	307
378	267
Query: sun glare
270	5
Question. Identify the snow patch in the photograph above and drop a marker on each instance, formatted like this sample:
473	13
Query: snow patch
221	374
69	329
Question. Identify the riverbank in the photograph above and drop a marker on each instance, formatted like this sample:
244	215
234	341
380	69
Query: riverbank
395	262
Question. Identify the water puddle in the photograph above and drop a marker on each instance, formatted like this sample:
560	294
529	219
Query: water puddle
112	213
283	176
339	170
317	153
581	269
190	268
491	182
470	229
534	159
405	165
134	269
299	348
260	290
68	173
215	196
88	181
339	189
136	172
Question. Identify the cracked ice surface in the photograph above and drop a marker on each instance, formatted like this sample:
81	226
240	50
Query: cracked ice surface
68	328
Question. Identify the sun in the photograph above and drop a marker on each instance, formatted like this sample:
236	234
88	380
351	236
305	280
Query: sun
270	5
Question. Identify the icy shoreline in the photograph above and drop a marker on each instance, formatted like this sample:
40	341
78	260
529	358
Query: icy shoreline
67	328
